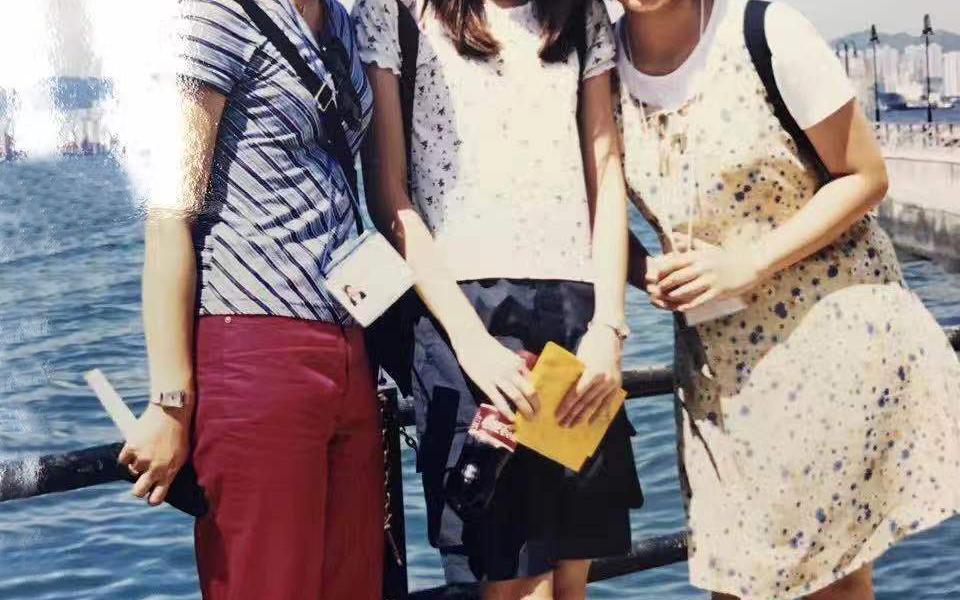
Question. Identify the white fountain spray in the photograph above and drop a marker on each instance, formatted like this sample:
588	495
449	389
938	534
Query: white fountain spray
26	70
136	44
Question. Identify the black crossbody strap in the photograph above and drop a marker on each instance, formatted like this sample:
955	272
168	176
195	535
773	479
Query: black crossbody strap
755	33
580	39
324	95
409	33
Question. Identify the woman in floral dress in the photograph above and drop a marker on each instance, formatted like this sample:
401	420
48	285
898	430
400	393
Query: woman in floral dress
818	423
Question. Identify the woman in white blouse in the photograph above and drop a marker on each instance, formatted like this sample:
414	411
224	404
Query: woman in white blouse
514	220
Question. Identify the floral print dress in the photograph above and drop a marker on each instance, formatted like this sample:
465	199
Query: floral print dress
821	424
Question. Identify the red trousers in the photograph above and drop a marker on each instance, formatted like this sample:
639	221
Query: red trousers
287	447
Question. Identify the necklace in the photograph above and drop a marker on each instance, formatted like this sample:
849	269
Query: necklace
671	145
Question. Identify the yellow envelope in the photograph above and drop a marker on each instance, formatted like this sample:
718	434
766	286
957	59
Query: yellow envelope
554	374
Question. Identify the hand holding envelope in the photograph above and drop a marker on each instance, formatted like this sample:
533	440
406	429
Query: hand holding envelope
554	374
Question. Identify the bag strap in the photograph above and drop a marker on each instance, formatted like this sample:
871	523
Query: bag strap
580	39
409	33
325	95
755	32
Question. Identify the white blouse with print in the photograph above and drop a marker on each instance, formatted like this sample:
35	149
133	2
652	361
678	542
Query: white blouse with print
496	173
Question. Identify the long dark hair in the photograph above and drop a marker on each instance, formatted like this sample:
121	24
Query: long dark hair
465	23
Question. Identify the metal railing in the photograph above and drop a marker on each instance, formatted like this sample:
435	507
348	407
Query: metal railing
643	382
30	477
941	139
648	553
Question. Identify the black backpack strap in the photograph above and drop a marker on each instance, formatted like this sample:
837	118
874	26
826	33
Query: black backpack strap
326	96
409	33
580	35
755	33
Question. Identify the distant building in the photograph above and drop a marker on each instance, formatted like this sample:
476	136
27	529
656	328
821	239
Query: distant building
951	74
913	65
888	64
936	61
911	69
6	146
858	65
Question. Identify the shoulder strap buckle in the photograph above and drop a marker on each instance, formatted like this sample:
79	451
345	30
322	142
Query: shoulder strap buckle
326	96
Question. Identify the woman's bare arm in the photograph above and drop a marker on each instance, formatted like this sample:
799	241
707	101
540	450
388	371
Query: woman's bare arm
159	447
600	349
846	143
607	195
498	372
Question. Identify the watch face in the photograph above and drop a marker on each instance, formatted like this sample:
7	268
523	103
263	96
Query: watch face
172	399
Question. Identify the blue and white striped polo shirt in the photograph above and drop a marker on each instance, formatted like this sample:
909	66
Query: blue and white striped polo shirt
278	204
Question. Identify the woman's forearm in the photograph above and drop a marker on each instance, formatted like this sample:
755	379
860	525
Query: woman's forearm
435	285
610	237
607	194
169	288
170	262
394	215
832	211
846	143
385	175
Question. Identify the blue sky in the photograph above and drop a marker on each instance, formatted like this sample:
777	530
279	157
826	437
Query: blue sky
835	18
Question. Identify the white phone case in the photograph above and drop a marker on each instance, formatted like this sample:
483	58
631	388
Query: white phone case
367	276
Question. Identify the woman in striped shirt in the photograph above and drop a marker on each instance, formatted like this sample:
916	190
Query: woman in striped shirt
285	435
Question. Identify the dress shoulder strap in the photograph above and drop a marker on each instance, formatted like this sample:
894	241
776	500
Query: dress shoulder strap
755	33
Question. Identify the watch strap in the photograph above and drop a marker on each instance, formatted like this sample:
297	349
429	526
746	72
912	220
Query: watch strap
620	328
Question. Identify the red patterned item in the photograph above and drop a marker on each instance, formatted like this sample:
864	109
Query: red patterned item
490	427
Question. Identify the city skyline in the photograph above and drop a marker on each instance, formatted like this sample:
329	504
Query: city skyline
93	40
903	73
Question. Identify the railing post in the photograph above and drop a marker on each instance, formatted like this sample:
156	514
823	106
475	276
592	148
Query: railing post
395	586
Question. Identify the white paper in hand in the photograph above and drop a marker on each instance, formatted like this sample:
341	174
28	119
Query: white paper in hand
713	310
119	412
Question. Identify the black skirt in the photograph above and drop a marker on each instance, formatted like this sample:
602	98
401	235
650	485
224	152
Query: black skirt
541	512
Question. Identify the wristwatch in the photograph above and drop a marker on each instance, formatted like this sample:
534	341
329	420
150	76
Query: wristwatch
171	399
620	328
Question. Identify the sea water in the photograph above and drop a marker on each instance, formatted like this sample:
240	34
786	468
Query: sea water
70	260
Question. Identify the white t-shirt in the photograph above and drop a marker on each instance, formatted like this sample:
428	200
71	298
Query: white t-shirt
496	170
811	79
